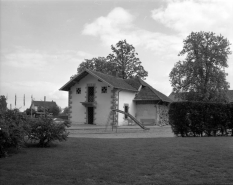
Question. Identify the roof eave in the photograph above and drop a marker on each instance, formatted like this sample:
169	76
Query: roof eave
151	100
131	90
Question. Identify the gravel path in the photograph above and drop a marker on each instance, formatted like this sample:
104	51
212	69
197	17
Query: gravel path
122	132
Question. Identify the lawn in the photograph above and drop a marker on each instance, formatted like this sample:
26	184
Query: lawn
201	160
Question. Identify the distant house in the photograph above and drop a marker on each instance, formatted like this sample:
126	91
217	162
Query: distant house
229	95
92	96
42	104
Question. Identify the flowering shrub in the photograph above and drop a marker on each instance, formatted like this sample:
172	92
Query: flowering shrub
45	130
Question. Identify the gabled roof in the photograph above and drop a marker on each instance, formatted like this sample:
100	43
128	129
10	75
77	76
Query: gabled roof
108	79
134	82
149	93
44	103
114	81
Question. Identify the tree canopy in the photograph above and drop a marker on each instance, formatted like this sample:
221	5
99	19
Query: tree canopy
96	64
122	59
201	75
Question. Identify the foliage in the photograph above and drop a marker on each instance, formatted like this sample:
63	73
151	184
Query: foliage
55	110
29	111
198	118
125	61
12	131
3	104
66	111
201	73
122	59
96	64
45	130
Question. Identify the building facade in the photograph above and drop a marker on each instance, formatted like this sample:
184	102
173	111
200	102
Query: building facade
93	95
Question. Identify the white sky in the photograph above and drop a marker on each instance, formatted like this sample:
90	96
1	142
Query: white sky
43	42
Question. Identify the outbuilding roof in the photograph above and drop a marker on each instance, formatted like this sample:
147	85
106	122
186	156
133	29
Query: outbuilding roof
147	92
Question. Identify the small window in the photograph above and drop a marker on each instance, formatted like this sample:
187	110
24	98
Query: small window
104	89
78	91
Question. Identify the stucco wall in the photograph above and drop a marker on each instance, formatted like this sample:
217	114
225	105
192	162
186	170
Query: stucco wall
126	97
146	113
103	101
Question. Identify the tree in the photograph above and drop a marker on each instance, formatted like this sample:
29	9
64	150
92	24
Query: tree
123	59
55	110
96	64
30	111
66	111
3	104
201	75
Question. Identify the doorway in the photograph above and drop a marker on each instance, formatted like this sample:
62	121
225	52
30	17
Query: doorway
126	107
90	115
90	110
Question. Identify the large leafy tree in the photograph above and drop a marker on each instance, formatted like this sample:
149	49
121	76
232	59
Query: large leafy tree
123	59
201	75
96	64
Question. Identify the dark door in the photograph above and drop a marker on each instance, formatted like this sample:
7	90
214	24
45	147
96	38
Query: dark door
90	112
126	110
90	94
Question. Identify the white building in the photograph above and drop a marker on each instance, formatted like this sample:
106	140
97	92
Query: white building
92	96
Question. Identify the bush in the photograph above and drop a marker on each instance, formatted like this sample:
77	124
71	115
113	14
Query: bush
11	131
17	129
44	130
198	119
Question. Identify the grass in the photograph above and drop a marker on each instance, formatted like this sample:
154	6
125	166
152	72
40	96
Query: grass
206	160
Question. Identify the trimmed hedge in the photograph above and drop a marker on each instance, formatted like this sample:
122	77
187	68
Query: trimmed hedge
201	119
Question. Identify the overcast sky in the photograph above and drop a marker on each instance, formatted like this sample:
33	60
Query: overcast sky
43	42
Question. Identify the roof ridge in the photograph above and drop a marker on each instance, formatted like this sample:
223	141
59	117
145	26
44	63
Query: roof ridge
113	77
